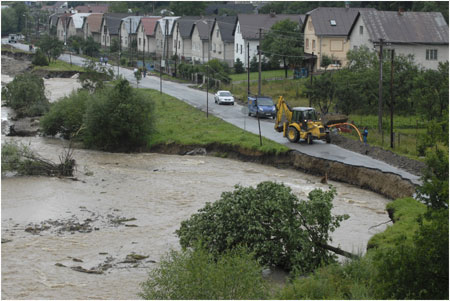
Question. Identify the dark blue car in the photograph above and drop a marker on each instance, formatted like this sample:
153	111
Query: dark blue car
261	106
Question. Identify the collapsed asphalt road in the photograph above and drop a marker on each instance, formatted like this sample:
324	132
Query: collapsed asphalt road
237	116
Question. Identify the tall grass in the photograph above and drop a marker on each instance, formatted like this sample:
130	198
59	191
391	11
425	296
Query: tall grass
264	75
178	122
60	66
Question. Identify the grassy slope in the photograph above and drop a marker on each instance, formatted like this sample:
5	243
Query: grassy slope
406	212
60	66
264	75
178	122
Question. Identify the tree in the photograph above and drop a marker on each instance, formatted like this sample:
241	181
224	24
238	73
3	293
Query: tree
90	47
26	95
94	76
188	8
238	67
269	219
118	118
51	46
323	91
283	42
114	47
325	62
75	43
9	21
40	59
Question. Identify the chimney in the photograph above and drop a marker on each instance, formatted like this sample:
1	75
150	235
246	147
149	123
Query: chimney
401	10
347	4
272	14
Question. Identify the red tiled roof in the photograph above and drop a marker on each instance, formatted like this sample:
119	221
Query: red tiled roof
149	24
92	9
95	22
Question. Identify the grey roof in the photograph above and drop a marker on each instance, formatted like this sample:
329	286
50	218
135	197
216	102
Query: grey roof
186	25
250	24
53	19
407	27
344	18
226	28
170	21
214	9
134	23
204	29
113	21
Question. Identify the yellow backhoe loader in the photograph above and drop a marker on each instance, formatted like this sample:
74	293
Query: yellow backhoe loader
300	123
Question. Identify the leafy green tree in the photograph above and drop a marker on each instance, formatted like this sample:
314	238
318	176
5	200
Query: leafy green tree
283	42
218	70
94	76
188	8
40	59
66	115
323	92
114	47
90	47
197	275
270	220
326	61
118	118
75	43
9	21
21	15
118	6
26	95
51	46
238	67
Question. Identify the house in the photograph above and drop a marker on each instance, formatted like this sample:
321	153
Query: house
163	37
127	30
422	34
109	28
59	7
52	23
146	34
61	27
222	40
326	32
96	9
247	32
201	34
182	37
75	25
91	27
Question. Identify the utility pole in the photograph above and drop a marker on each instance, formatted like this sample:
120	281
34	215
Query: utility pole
248	70
176	49
129	43
167	45
380	90
311	78
120	48
207	69
392	98
259	64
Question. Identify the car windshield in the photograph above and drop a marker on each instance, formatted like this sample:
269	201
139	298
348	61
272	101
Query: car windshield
226	93
310	115
265	102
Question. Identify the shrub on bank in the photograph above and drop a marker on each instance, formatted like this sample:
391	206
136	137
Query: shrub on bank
26	95
269	219
66	115
118	118
40	59
197	275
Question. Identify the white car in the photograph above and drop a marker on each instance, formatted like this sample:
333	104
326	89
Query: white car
224	97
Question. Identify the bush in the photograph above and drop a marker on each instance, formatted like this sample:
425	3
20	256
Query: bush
281	230
40	59
66	115
196	275
238	67
26	95
118	118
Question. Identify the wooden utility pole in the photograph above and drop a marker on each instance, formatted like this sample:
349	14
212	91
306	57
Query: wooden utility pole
310	76
176	49
248	70
167	45
380	90
259	64
392	98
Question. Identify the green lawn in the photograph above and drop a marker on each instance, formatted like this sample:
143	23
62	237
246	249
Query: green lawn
60	66
178	122
264	75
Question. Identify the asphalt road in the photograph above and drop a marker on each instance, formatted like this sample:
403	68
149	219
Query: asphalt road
237	116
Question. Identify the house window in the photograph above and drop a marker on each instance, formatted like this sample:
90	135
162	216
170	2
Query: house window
355	47
307	43
238	29
139	41
217	33
241	49
361	29
310	27
214	47
179	44
333	22
313	44
431	55
237	48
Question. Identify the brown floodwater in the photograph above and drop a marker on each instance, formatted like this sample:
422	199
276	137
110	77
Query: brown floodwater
150	194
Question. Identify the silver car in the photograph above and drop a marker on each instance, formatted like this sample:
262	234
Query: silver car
224	97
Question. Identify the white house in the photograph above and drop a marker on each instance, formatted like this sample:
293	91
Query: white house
247	32
201	35
127	30
182	37
422	34
160	36
146	34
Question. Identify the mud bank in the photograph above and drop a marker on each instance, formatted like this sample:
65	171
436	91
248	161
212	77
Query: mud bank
387	184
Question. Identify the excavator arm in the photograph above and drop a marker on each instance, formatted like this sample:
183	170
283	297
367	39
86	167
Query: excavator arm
282	107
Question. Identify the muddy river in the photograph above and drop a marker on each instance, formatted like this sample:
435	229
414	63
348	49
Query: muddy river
120	205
